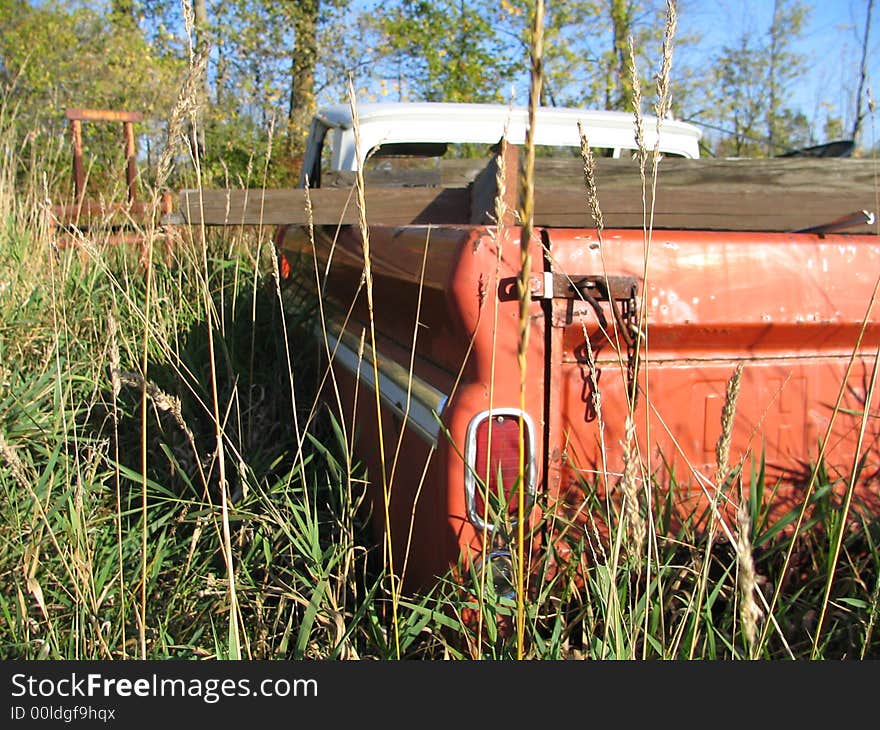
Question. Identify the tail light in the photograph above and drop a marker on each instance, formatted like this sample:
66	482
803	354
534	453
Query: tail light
492	466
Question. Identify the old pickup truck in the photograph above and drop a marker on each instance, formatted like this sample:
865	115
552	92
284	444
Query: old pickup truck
636	324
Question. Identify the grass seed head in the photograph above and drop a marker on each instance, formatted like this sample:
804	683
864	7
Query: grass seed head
728	411
747	581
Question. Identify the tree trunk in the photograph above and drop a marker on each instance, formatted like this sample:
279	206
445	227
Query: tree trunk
302	77
773	103
619	93
200	18
863	74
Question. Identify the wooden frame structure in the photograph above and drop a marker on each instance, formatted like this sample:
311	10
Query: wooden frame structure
114	219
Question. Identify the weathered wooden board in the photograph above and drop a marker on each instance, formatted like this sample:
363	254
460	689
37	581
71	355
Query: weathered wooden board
448	173
777	194
736	175
329	206
753	195
763	208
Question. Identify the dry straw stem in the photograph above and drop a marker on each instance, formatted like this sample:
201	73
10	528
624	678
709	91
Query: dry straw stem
661	109
398	448
590	182
872	618
525	300
115	360
592	189
185	108
116	384
368	283
497	235
705	484
843	524
322	318
639	121
166	403
722	447
641	336
276	278
500	210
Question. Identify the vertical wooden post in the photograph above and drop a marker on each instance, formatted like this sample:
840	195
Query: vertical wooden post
485	189
511	184
131	160
79	175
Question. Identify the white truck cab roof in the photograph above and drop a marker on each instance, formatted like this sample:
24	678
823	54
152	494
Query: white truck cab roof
401	123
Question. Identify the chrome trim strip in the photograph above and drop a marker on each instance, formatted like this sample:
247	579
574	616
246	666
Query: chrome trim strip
426	403
470	474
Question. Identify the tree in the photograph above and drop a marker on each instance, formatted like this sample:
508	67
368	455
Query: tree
123	13
444	51
475	50
783	66
269	62
619	88
305	16
863	73
750	79
58	55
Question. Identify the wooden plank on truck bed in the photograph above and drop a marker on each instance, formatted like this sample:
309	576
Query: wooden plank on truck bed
790	173
775	194
446	172
778	194
762	208
330	206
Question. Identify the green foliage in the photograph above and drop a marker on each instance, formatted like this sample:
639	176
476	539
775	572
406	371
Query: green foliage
57	55
268	62
587	51
446	51
478	51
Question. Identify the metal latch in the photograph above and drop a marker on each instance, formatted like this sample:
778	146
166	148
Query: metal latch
550	285
621	292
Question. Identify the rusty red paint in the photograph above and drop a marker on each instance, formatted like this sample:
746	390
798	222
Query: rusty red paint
790	307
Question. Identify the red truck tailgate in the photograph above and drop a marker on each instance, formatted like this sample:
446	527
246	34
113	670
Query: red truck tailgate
790	307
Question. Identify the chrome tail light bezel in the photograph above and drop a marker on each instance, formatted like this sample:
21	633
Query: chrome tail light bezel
471	468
